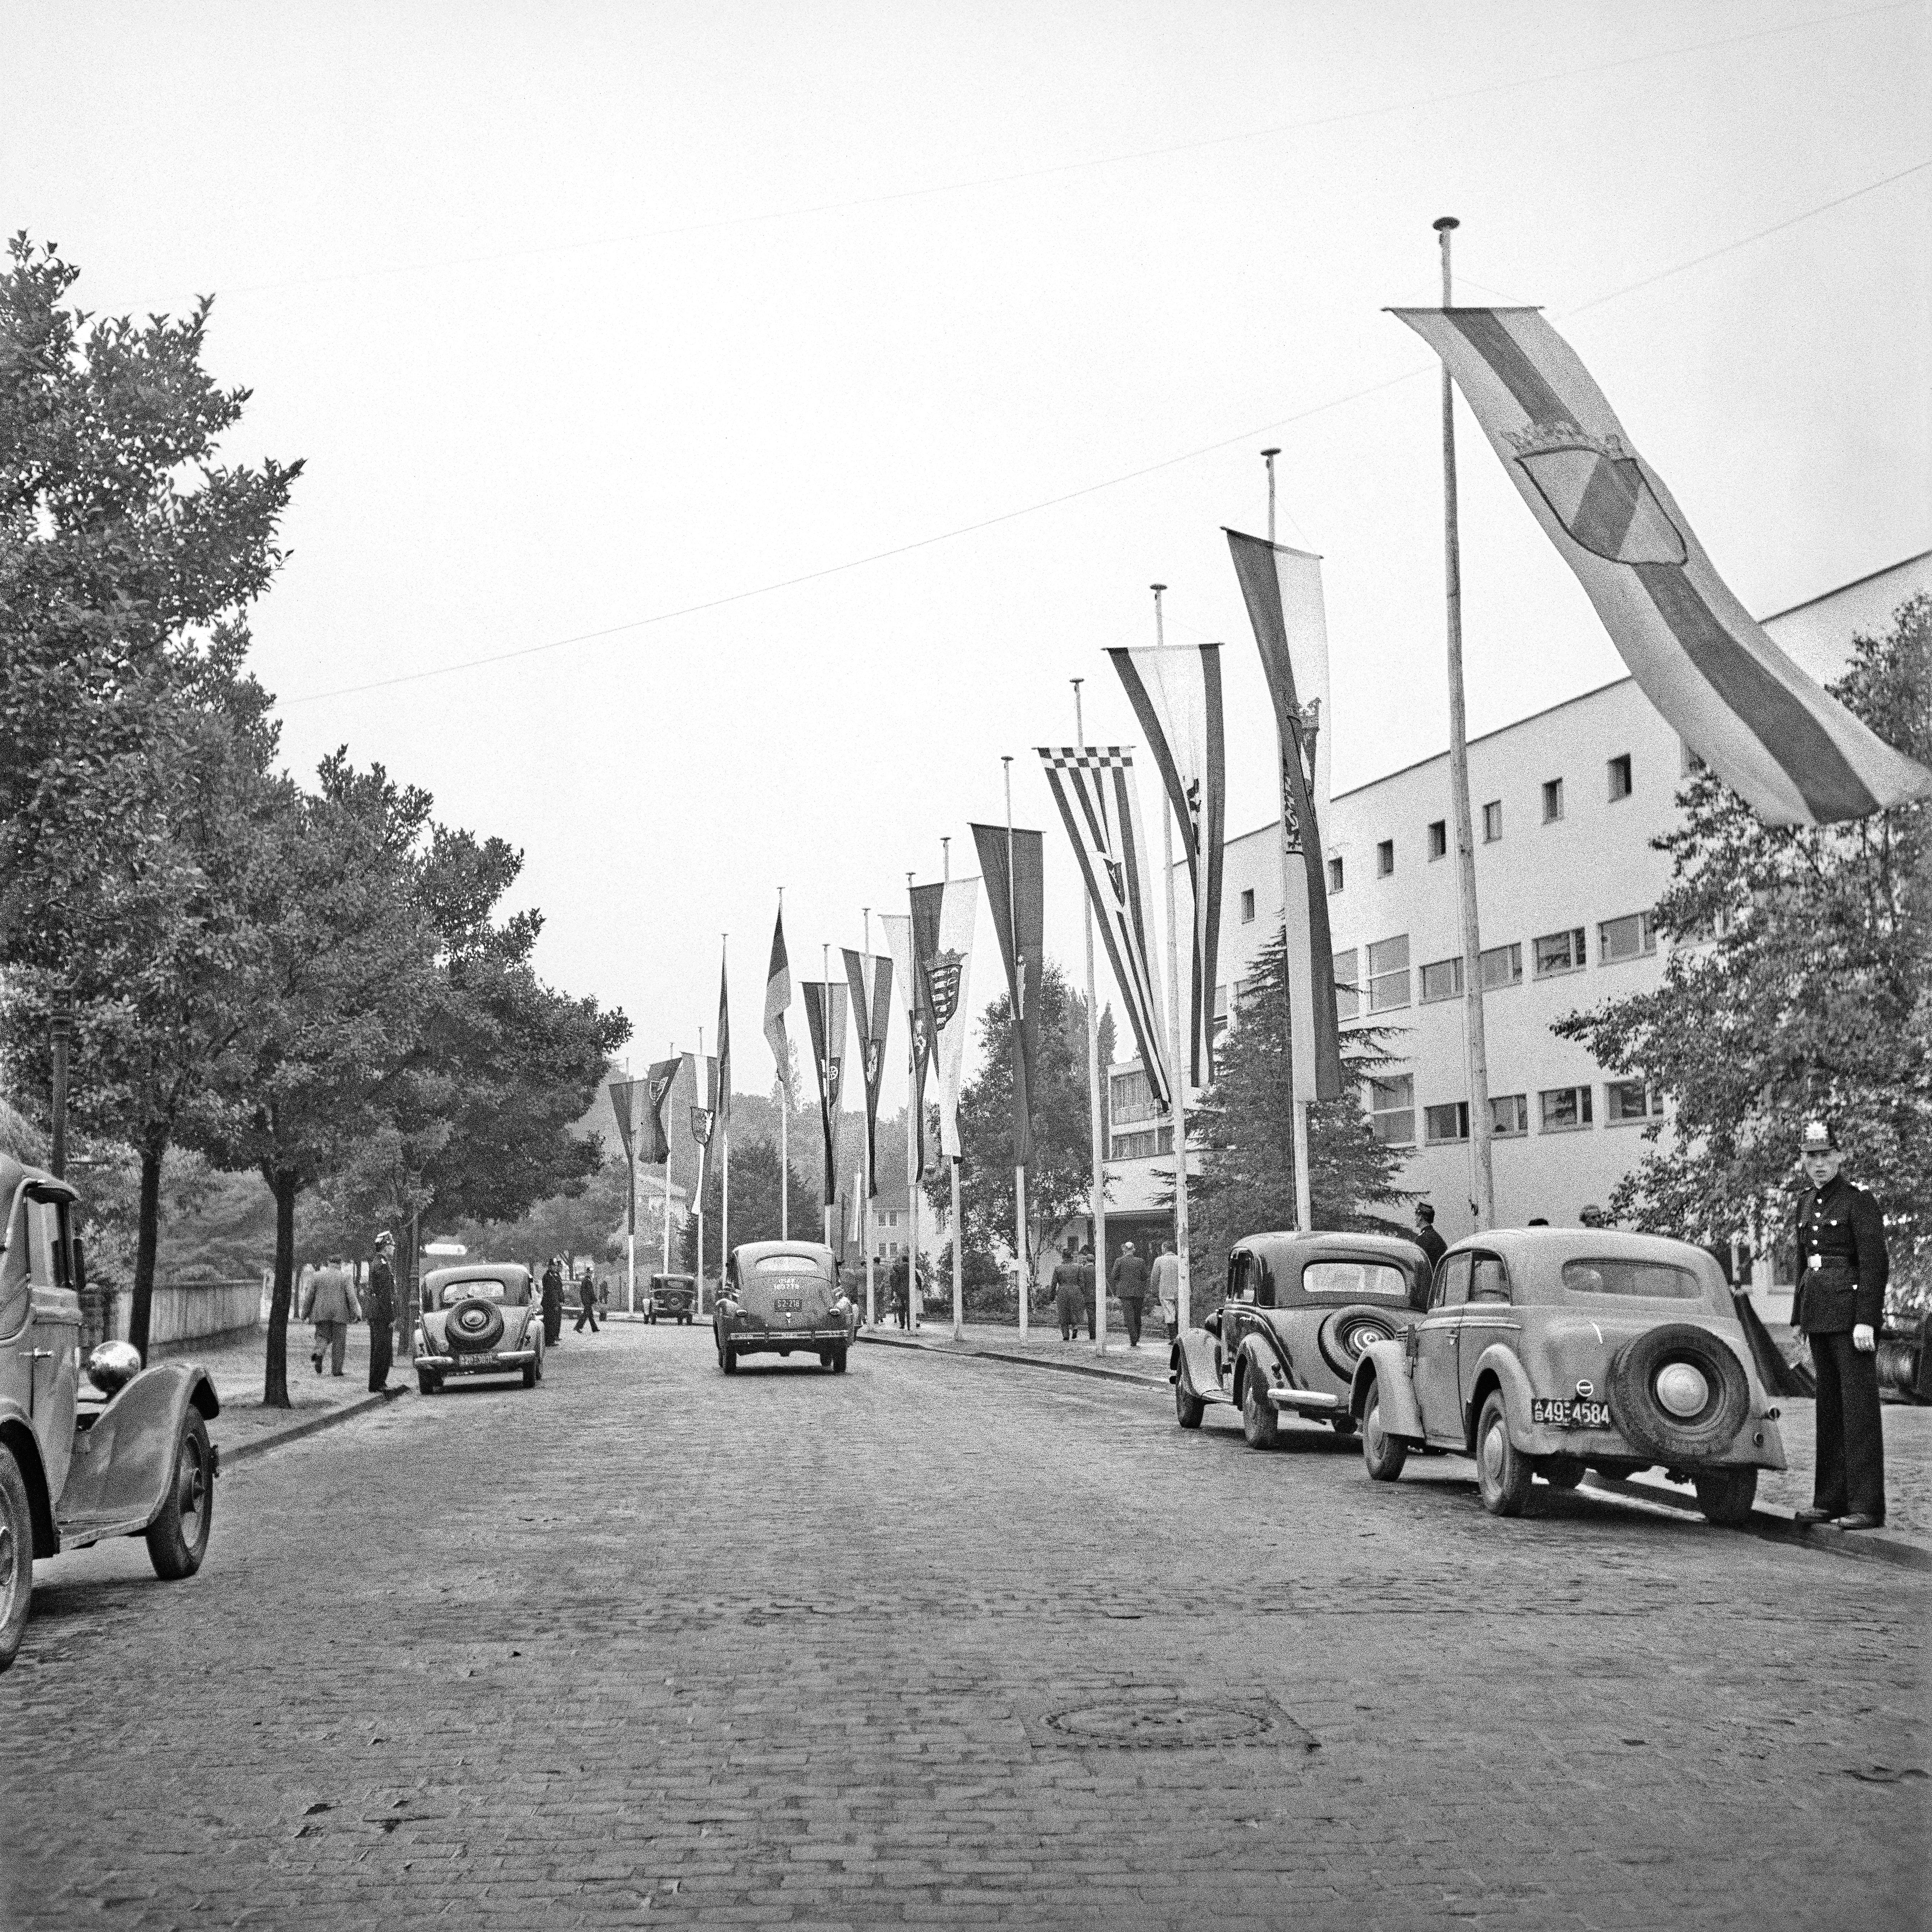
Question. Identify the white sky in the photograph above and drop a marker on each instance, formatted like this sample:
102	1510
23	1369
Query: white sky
550	299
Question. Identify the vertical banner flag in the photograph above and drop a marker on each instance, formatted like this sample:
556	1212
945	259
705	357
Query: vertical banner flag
919	1030
724	1101
1175	690
623	1103
1283	590
704	1111
942	937
777	1003
1796	755
825	1012
654	1143
870	979
1019	918
1093	786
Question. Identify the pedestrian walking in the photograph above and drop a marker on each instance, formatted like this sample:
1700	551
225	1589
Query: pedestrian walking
1431	1243
553	1303
1129	1280
1089	1275
1842	1271
1165	1282
1070	1290
332	1307
381	1310
587	1302
898	1286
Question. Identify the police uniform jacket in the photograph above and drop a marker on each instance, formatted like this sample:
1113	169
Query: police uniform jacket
1842	1264
380	1306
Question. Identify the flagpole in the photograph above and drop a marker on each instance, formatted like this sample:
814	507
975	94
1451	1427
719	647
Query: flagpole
959	1253
1022	1270
866	1076
913	1125
696	1075
1475	1044
1177	1071
828	1213
1095	1119
784	1124
724	1154
666	1184
631	1202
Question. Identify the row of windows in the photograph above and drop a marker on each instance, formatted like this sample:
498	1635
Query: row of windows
1559	1110
1143	1145
1387	985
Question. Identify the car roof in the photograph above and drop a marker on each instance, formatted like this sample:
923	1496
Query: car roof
511	1273
1529	1251
753	1251
1290	1248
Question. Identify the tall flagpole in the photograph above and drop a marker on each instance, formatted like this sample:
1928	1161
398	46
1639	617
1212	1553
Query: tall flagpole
696	1075
724	1153
1178	1072
1475	1046
784	1122
631	1205
1095	1119
666	1184
1024	1272
959	1253
828	1214
866	1155
913	1125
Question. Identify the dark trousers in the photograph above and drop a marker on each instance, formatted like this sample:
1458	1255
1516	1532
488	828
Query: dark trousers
1130	1307
1092	1332
585	1313
382	1341
1850	1479
553	1322
902	1313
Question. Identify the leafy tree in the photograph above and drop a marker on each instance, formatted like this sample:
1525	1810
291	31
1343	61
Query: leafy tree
1798	983
755	1200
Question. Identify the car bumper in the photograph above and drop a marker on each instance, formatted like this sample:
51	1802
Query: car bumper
503	1362
742	1338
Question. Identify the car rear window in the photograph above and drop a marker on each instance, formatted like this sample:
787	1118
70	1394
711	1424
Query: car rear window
486	1289
789	1264
1355	1281
1653	1281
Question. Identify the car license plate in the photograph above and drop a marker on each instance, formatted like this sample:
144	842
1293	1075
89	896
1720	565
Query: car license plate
787	1304
1567	1413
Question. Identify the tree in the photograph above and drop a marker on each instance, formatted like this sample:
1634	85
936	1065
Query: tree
1798	983
754	1199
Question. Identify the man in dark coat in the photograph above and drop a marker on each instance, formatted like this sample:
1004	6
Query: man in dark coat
1130	1283
1842	1270
587	1302
1070	1290
1431	1243
380	1306
553	1303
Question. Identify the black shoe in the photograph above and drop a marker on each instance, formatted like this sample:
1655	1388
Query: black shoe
1862	1521
317	1360
1805	1518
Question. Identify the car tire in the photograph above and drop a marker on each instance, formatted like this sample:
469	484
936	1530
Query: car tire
839	1359
473	1325
1726	1495
428	1384
177	1538
1344	1334
1640	1412
17	1557
532	1374
1560	1472
1383	1455
728	1359
1502	1470
1260	1425
1188	1409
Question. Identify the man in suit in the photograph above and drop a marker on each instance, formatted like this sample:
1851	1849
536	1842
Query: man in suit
1130	1283
587	1302
1842	1270
1431	1243
332	1308
1070	1290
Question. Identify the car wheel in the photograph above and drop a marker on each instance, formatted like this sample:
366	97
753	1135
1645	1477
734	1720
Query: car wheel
1188	1409
1383	1455
177	1538
1679	1393
839	1359
427	1383
1259	1423
1502	1470
1343	1336
1562	1472
532	1374
17	1557
728	1359
1726	1495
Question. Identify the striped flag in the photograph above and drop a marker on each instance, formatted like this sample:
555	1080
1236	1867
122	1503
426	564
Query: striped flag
1797	755
1014	864
777	1003
654	1144
724	1046
1175	690
825	1015
942	937
1093	786
869	979
918	1029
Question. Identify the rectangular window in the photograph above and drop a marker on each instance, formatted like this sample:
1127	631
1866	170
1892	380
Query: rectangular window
1388	974
1620	777
1441	980
1559	952
1502	966
1132	1099
1335	875
1144	1144
1438	837
1493	821
1509	1114
1248	906
1630	938
1348	994
1385	858
1553	800
1392	1111
1628	1101
1564	1110
1448	1122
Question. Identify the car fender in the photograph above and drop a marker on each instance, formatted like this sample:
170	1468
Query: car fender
118	1478
1261	1352
1499	1363
1385	1365
1193	1365
17	1436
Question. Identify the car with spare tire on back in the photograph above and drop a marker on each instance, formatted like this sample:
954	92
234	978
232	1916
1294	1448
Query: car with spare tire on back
479	1318
1549	1352
783	1298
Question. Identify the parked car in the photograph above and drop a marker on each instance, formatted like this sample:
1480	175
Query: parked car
128	1455
482	1318
1301	1309
1551	1351
782	1297
673	1296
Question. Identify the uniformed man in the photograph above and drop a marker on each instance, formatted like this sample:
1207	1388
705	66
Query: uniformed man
1842	1266
381	1310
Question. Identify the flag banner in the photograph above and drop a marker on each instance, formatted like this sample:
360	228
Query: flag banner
1019	916
825	1013
724	1101
1282	588
777	1003
870	980
1093	786
654	1143
919	1032
942	932
622	1105
703	1112
1771	733
1175	690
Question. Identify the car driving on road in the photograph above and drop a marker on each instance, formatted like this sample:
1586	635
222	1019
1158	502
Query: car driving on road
483	1318
783	1298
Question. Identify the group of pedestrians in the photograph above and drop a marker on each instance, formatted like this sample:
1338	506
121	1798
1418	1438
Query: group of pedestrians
553	1286
1075	1288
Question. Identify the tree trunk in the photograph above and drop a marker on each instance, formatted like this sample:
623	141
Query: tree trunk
275	1383
147	1239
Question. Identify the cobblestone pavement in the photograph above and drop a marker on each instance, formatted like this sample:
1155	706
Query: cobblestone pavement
946	1642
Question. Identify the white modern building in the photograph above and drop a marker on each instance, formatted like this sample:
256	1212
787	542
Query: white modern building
1565	806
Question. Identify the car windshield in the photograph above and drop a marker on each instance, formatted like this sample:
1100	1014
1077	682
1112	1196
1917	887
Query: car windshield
789	1265
1354	1281
486	1288
1654	1281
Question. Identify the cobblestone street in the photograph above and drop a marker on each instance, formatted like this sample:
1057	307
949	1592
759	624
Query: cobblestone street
946	1641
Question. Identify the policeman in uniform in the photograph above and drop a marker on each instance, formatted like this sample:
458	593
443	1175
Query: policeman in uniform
1842	1267
381	1310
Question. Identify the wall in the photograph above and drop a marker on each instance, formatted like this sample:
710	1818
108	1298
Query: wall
193	1312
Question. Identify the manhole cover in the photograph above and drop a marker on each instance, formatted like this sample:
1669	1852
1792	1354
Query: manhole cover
1168	1723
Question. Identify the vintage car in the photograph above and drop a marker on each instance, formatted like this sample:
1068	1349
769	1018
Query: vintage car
1551	1351
482	1318
1301	1309
674	1297
128	1456
783	1298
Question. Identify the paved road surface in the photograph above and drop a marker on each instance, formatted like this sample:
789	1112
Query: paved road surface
919	1644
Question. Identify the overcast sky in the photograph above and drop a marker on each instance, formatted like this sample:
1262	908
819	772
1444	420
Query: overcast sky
583	314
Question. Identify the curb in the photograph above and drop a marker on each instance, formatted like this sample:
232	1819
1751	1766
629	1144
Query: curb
262	1445
966	1352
